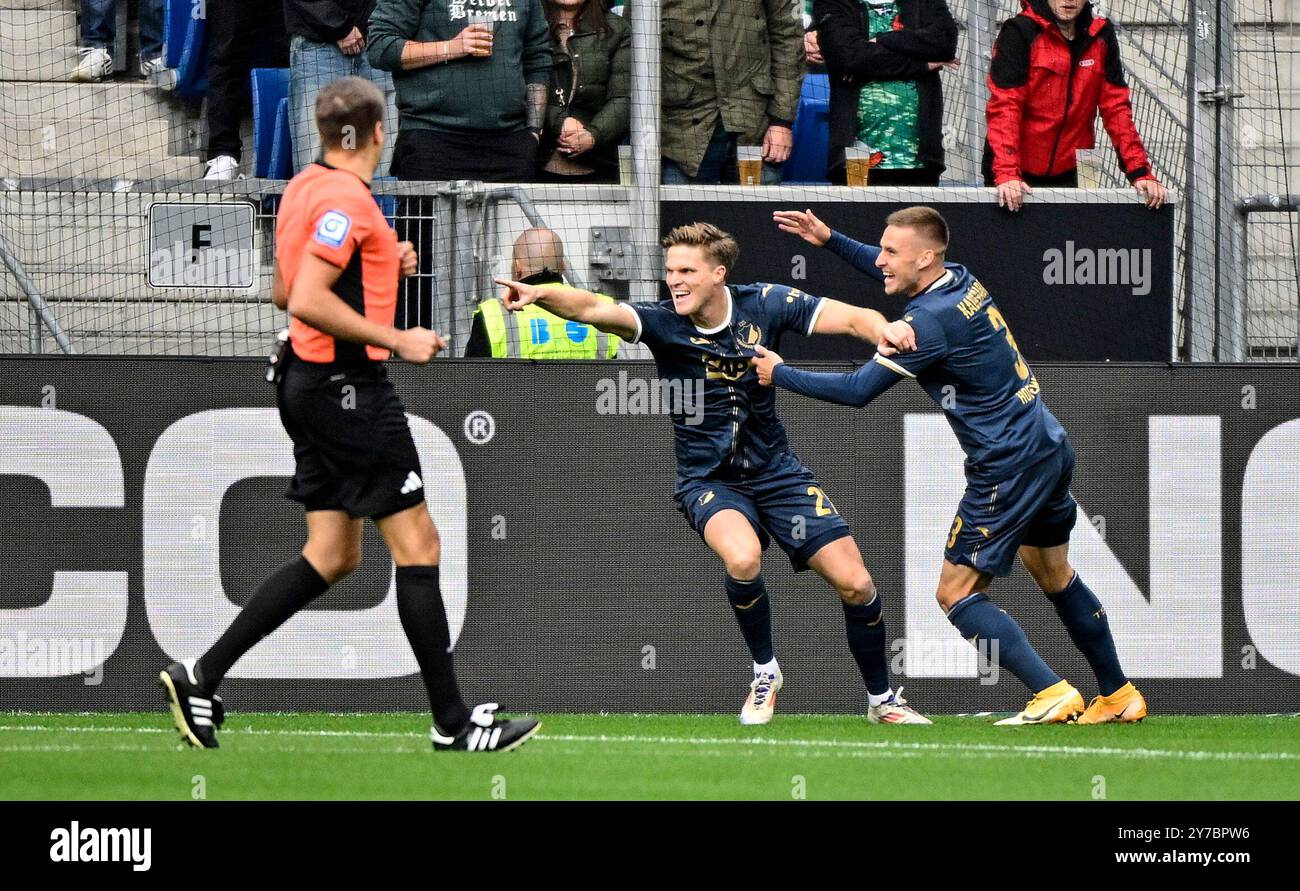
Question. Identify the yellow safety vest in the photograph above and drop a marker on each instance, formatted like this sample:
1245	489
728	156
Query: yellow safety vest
534	333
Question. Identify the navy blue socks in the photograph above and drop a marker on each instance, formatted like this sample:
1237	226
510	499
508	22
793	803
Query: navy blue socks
754	615
866	632
1085	618
978	618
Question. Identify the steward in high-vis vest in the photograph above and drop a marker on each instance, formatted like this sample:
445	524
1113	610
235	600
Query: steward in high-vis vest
534	333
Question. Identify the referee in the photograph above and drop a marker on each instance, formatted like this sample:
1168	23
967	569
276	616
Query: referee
337	268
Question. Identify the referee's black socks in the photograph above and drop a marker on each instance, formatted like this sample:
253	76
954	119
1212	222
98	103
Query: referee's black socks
281	594
424	619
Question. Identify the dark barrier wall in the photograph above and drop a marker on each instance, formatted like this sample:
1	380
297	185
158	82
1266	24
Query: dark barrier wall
1077	282
140	504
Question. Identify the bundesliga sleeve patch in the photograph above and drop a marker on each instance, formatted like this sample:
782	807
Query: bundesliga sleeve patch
333	228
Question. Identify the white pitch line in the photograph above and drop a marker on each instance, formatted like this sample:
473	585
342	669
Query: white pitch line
940	747
864	746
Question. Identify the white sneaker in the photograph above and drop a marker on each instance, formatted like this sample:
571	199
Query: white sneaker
222	167
95	64
151	67
895	710
761	701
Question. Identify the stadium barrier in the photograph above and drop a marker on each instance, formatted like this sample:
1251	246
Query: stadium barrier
1081	274
141	505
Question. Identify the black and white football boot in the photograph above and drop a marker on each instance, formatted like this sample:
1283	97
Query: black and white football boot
485	732
197	712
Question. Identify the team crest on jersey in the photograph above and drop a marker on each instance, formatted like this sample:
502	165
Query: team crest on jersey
748	335
333	228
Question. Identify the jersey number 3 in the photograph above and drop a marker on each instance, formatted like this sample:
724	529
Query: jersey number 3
1000	324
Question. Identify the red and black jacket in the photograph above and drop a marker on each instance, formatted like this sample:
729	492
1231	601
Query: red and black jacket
1045	93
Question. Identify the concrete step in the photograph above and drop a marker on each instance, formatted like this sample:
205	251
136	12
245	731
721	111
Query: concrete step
70	5
1272	328
93	283
108	101
56	65
61	141
1273	235
132	168
1276	268
153	318
162	344
54	244
36	32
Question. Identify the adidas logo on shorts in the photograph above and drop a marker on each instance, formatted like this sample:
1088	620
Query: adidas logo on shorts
412	483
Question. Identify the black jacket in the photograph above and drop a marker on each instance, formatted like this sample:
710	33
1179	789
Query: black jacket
929	34
326	21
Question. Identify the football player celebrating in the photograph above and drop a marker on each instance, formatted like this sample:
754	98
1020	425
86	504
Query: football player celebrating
1019	460
738	482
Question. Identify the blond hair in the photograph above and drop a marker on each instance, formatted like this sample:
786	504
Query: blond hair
718	246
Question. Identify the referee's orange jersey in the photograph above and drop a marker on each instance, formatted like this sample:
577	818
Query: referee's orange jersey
331	213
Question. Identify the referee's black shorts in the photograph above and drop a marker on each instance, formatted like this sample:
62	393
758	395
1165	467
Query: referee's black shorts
351	442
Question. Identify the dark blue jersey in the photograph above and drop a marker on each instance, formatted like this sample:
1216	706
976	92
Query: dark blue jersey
966	359
738	434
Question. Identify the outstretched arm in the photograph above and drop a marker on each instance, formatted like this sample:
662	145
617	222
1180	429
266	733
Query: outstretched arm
807	226
573	304
852	388
866	324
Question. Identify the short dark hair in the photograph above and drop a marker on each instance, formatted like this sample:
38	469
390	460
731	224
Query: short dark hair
347	110
718	246
925	220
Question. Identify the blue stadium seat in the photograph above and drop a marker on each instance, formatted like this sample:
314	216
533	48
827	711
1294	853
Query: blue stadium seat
281	162
807	163
387	203
192	66
270	86
176	16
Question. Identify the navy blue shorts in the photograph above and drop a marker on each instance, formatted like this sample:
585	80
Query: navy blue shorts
785	503
1032	508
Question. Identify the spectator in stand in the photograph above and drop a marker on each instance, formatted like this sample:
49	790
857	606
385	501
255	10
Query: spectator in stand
99	31
731	74
1055	66
242	36
471	96
811	49
328	41
590	99
884	59
532	332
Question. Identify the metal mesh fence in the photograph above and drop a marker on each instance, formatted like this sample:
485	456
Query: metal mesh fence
100	123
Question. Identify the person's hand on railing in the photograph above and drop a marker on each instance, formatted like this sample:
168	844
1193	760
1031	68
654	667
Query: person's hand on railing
1012	194
1154	194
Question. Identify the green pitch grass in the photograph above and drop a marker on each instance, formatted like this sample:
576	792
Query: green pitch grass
387	756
